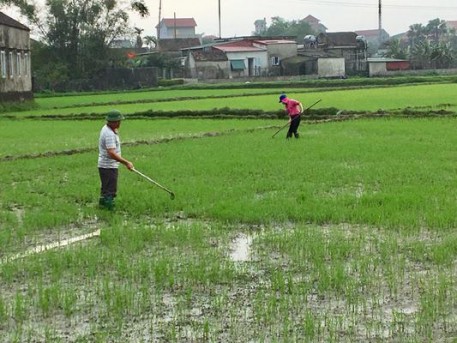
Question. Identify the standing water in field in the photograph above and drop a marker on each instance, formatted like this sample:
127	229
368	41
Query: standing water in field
241	248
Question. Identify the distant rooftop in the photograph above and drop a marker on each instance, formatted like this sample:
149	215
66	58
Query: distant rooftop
8	21
452	24
178	22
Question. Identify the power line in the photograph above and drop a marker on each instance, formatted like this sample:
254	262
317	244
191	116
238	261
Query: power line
365	5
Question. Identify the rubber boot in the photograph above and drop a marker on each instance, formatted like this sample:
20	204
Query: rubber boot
109	203
106	203
289	134
297	135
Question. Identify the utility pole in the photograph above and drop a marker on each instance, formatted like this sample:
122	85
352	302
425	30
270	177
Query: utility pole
220	35
380	23
174	25
158	26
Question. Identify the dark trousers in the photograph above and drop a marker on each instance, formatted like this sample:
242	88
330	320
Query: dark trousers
293	127
108	178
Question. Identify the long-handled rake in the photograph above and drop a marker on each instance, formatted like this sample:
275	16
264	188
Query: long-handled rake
296	117
172	195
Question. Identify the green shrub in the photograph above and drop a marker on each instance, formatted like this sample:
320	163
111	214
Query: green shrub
172	82
17	106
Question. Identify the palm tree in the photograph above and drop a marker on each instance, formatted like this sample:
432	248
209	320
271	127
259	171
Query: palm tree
420	55
139	40
150	41
396	50
442	55
436	29
416	34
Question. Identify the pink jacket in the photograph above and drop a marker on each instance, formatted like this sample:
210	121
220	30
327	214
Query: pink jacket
292	106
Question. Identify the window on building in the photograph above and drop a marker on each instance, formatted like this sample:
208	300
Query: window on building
275	60
19	63
3	64
11	60
26	64
237	65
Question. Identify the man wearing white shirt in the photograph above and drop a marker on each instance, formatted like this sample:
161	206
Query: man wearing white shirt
109	158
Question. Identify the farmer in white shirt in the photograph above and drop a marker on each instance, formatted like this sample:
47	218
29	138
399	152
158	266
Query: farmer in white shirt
109	157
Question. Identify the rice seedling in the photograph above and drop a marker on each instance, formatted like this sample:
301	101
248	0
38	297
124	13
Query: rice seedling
355	242
365	99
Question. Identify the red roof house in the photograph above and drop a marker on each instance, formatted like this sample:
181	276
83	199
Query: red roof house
176	28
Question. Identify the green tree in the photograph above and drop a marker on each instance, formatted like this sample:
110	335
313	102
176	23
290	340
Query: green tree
150	41
25	7
433	45
396	50
442	55
162	61
281	27
77	33
416	34
420	55
436	30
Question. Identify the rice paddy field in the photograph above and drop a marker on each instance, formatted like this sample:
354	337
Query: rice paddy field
347	234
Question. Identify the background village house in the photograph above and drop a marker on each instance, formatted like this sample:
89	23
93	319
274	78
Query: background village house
15	62
176	28
330	54
386	66
171	48
239	58
315	24
375	39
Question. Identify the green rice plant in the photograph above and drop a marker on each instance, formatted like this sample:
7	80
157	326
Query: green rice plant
114	99
69	300
19	307
206	331
310	326
85	134
60	100
50	335
3	312
365	99
445	252
354	242
48	298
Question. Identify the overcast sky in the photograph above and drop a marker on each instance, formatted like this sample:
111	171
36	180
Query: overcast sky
238	16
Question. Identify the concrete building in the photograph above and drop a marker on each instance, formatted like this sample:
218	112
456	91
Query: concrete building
315	24
15	61
386	66
176	28
239	58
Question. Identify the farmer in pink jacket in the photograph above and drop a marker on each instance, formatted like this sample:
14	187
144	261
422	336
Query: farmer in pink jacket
293	109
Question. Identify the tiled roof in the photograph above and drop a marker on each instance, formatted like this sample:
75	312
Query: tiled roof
275	41
179	22
369	33
176	44
214	56
337	39
226	48
237	43
8	21
452	24
311	18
